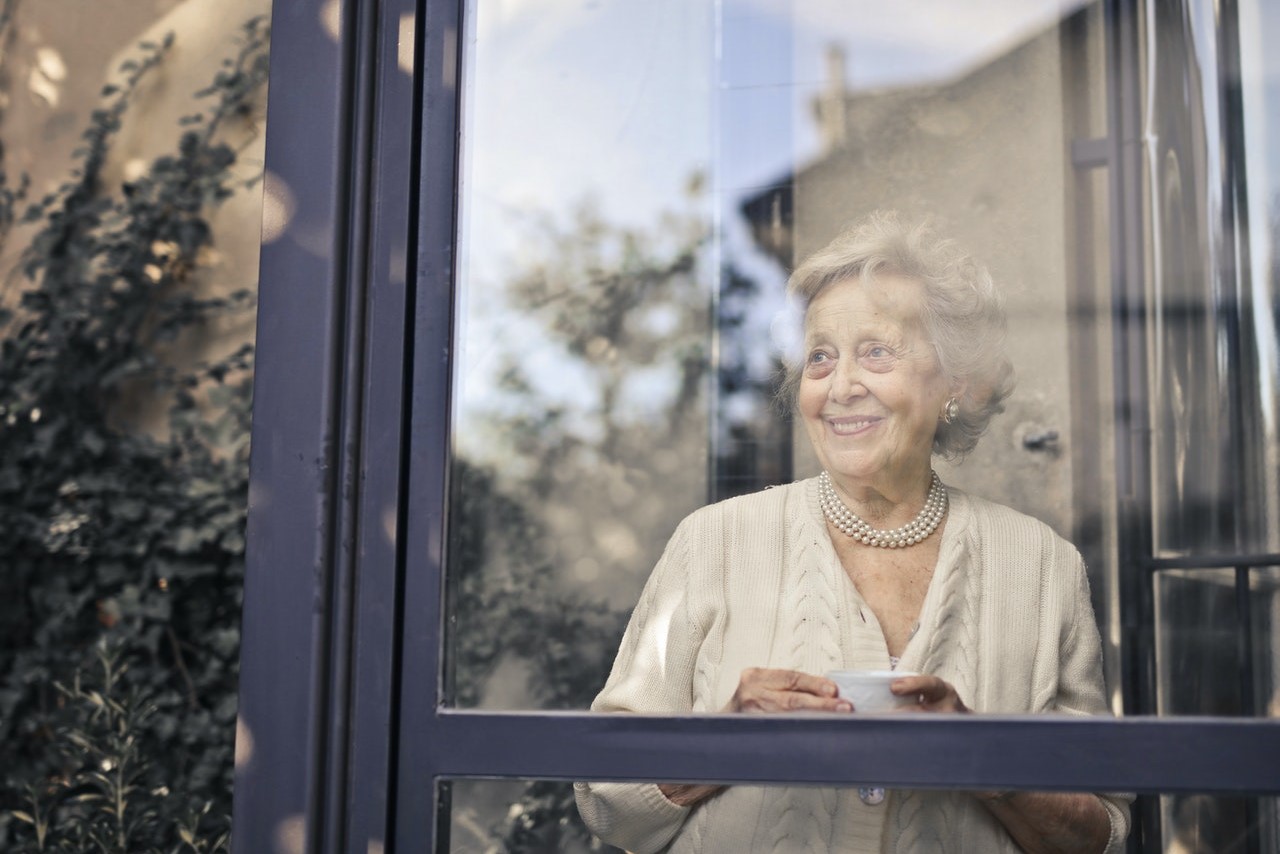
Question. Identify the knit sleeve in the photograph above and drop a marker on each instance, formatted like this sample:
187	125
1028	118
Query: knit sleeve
652	674
1081	688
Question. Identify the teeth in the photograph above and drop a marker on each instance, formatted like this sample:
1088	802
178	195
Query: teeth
849	426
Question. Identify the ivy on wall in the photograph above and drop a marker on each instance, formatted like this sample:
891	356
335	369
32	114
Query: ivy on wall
122	551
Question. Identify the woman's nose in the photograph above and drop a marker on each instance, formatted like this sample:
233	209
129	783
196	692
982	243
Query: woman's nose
846	382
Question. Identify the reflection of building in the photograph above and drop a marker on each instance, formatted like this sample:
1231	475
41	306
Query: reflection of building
985	157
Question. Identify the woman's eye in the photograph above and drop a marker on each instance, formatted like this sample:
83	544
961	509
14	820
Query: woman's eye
819	363
878	357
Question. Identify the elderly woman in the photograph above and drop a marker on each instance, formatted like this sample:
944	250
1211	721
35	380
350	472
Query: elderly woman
873	564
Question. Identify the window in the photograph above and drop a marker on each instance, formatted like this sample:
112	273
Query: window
606	201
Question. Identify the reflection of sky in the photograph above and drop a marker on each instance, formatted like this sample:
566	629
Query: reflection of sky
567	100
1260	92
622	101
614	98
782	44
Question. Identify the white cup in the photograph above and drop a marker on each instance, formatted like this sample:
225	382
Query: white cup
868	690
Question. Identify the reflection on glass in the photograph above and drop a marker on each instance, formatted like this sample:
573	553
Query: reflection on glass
1212	660
1211	159
1192	465
621	268
516	816
521	816
1260	105
584	333
1198	653
1208	824
1264	599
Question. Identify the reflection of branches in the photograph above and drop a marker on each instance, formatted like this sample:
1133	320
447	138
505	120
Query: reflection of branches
595	296
507	607
605	305
597	274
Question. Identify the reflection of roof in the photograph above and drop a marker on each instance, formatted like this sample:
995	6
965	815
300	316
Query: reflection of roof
769	215
899	113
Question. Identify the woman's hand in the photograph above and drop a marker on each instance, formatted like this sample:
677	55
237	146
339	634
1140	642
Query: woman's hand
1051	822
766	689
1040	822
932	694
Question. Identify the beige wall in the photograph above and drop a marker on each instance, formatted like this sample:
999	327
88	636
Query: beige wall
60	55
205	32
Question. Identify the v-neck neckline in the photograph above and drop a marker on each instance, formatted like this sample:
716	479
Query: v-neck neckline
914	653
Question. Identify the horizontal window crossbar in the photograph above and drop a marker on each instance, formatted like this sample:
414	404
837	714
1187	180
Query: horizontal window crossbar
979	751
1211	561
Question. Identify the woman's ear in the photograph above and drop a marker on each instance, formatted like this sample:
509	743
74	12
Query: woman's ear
959	386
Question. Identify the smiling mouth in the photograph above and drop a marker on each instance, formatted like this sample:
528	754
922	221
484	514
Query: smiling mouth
851	426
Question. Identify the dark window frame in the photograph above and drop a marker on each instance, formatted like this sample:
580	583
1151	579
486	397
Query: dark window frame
345	614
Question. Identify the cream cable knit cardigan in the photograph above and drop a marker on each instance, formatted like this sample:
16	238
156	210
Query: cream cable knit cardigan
755	582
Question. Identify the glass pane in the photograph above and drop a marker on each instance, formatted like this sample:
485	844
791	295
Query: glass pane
1264	597
525	816
130	228
1212	659
636	189
582	412
1213	278
516	816
1205	823
1260	382
1198	643
542	816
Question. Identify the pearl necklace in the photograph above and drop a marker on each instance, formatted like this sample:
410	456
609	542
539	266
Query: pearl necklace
915	531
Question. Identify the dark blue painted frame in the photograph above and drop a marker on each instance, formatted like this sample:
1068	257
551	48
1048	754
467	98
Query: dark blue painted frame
322	602
344	623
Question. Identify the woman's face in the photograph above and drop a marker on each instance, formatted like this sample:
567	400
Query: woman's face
871	389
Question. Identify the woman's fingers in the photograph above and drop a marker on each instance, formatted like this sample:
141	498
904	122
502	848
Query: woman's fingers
771	678
807	683
798	701
762	689
932	694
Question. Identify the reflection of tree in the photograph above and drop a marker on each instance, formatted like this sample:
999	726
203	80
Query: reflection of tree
506	606
615	304
578	489
753	438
